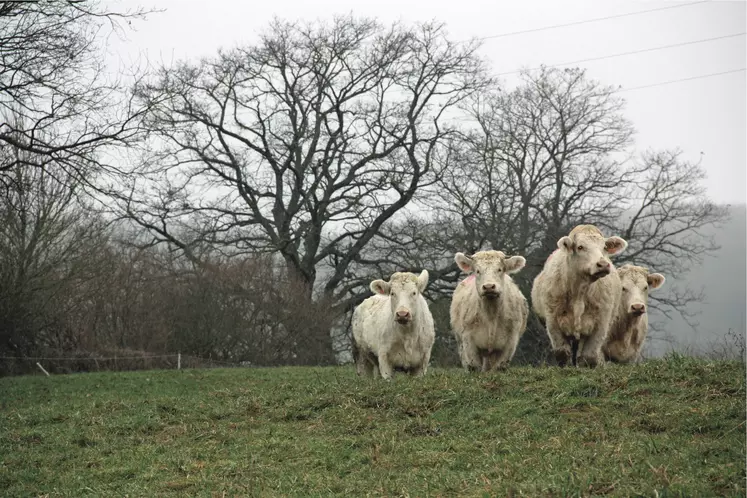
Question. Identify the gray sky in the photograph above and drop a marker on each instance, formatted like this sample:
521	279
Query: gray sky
707	115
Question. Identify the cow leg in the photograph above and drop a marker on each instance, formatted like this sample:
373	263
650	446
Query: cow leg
507	354
363	364
362	367
426	361
614	352
637	345
489	361
356	357
577	345
486	362
459	346
591	354
560	347
385	368
470	357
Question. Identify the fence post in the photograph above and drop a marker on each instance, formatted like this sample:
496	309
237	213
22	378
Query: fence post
42	368
179	361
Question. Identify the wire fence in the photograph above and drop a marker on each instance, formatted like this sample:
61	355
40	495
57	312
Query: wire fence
24	365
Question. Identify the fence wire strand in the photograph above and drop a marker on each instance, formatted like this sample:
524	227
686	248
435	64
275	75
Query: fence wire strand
187	361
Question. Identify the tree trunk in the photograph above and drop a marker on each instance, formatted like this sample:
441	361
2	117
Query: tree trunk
308	321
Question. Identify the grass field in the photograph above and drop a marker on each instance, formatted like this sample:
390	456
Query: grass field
672	427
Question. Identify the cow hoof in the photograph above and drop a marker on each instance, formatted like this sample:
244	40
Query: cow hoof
562	356
588	361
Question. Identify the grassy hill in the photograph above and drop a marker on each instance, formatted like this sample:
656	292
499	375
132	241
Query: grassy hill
675	427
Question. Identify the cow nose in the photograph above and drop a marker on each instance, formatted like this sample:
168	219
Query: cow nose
403	315
488	287
638	308
602	264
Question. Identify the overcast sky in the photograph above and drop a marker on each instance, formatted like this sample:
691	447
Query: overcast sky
704	115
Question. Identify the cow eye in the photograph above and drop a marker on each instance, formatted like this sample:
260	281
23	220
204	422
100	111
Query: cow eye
500	270
477	271
413	293
580	248
625	289
645	287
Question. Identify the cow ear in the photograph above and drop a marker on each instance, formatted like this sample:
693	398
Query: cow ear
380	287
422	281
515	263
615	245
655	280
565	243
463	262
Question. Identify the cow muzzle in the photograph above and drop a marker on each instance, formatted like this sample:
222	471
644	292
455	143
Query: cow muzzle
637	309
490	291
403	317
600	270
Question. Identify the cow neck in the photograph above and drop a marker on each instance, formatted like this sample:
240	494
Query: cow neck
492	307
625	319
576	285
406	329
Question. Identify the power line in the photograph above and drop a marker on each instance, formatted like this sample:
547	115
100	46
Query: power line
680	80
586	21
662	83
632	52
109	358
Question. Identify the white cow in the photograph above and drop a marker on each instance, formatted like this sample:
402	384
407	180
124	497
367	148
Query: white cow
488	311
577	292
630	323
394	329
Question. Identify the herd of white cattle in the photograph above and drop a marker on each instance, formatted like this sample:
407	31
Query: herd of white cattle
592	311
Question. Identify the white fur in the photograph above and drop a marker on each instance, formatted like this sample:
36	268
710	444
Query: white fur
488	330
628	330
381	343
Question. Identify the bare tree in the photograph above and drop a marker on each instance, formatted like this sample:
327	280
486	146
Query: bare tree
49	240
664	224
308	142
538	159
541	158
57	102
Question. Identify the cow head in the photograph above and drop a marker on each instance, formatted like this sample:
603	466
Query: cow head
490	269
404	290
636	283
589	250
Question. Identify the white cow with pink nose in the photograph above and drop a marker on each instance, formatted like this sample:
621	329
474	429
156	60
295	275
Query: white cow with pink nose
630	323
394	330
488	311
577	293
